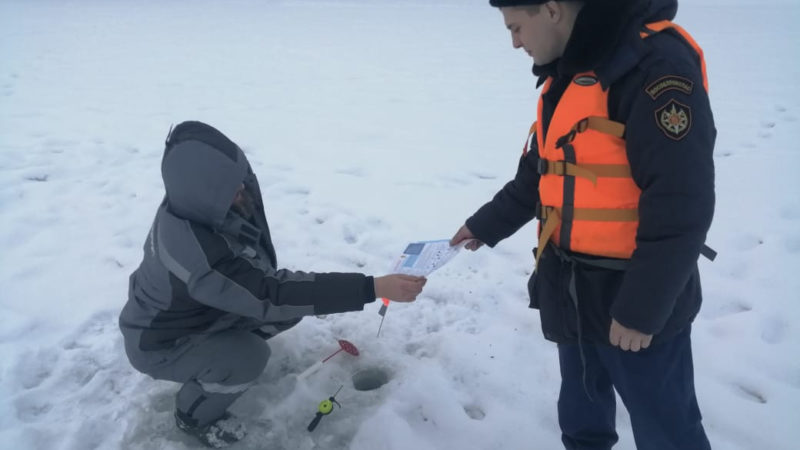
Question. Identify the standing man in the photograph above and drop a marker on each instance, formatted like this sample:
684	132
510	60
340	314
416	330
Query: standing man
618	170
208	292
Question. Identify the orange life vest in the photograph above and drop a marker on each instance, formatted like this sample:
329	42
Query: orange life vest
584	159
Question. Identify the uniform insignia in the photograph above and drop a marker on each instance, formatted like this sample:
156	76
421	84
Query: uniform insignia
669	83
585	80
674	119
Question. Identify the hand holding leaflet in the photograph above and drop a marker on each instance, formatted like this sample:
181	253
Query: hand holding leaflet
421	259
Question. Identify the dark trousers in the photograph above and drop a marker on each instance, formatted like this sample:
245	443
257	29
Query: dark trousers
214	372
656	385
214	369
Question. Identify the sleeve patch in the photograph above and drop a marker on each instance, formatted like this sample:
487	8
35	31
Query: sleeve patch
674	119
669	83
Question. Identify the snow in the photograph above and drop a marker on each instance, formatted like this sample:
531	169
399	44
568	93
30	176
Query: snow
370	124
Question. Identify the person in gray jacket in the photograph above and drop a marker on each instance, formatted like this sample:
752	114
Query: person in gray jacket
208	292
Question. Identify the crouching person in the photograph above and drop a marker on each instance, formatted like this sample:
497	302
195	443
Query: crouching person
208	292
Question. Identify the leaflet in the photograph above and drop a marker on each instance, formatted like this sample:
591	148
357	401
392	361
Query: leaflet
423	258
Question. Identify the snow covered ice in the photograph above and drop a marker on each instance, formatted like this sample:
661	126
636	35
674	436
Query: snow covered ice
370	124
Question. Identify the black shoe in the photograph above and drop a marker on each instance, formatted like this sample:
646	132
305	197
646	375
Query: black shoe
219	434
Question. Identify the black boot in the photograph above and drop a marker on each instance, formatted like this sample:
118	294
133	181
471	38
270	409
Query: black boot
219	434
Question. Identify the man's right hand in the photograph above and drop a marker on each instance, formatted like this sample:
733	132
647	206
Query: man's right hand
399	288
464	234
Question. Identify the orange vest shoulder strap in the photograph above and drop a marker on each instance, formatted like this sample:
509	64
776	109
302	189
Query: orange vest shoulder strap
596	123
528	141
657	27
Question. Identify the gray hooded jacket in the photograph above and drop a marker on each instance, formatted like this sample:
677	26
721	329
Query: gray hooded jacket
206	268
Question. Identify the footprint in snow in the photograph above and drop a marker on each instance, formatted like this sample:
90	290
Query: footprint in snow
61	143
319	220
412	348
83	368
793	244
358	263
102	323
376	223
784	113
41	178
350	235
31	406
474	412
164	401
352	171
747	242
774	330
484	176
768	125
790	212
750	393
353	231
93	434
459	181
33	368
724	308
296	190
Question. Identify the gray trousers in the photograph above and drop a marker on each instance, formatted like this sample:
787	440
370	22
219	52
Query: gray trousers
214	371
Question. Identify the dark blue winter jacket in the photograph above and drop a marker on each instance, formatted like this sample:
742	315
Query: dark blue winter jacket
659	293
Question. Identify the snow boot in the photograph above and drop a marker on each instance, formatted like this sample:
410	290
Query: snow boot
219	434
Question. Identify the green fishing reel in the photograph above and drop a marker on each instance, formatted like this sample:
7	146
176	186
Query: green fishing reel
325	407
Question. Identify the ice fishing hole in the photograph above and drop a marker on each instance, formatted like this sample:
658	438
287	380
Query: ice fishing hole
370	379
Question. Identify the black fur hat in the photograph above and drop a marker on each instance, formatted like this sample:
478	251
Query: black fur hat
503	3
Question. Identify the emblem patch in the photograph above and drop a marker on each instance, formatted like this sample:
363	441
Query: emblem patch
585	80
674	119
669	83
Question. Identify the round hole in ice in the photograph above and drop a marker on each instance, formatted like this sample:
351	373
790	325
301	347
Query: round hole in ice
370	379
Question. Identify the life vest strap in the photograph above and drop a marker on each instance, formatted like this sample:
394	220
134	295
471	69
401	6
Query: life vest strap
708	252
593	214
551	217
602	263
599	124
588	171
528	141
547	230
562	168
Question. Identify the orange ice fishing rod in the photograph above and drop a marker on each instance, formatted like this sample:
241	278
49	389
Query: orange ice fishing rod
382	313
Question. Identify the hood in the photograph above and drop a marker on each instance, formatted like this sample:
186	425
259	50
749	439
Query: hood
660	10
202	170
600	28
